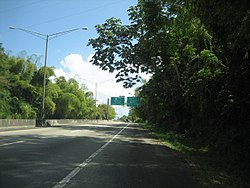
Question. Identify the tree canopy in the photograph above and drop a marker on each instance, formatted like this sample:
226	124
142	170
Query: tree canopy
21	84
198	55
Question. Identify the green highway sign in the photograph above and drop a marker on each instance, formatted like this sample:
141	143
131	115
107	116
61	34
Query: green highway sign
133	101
117	100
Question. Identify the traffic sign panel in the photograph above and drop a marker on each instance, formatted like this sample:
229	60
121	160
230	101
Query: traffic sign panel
117	100
133	102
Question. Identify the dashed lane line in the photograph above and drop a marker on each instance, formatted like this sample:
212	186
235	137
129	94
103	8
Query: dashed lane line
75	131
74	172
17	142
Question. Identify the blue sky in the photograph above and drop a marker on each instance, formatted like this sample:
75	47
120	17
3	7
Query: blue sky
51	16
69	54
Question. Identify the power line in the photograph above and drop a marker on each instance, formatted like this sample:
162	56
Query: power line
72	15
22	6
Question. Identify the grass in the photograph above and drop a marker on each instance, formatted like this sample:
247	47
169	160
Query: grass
210	169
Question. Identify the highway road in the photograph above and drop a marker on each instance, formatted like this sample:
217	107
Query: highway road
100	155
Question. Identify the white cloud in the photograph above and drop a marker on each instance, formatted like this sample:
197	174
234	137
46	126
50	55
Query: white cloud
84	72
60	72
73	66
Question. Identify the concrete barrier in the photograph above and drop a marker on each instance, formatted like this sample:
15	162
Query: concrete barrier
68	121
32	122
17	122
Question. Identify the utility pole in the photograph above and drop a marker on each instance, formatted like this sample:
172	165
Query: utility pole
108	109
46	37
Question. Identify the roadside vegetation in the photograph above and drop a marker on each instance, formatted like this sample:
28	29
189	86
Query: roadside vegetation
210	169
21	83
199	94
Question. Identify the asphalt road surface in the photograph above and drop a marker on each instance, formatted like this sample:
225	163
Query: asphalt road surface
101	155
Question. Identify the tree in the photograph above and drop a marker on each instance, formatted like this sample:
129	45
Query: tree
72	101
22	87
229	21
105	112
5	108
198	54
163	39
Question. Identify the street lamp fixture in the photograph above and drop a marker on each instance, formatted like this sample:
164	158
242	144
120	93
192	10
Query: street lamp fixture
46	37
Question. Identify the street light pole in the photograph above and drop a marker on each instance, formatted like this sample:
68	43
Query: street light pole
96	101
96	94
107	117
96	87
46	37
44	75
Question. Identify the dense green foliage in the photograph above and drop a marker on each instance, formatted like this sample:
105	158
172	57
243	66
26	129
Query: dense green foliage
21	84
198	54
105	112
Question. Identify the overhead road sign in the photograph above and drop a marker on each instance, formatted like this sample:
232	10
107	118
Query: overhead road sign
117	101
133	102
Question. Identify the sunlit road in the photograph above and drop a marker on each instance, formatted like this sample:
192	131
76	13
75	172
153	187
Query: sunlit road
112	155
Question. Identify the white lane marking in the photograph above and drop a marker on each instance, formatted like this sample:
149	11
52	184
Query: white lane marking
74	172
7	144
75	131
49	136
